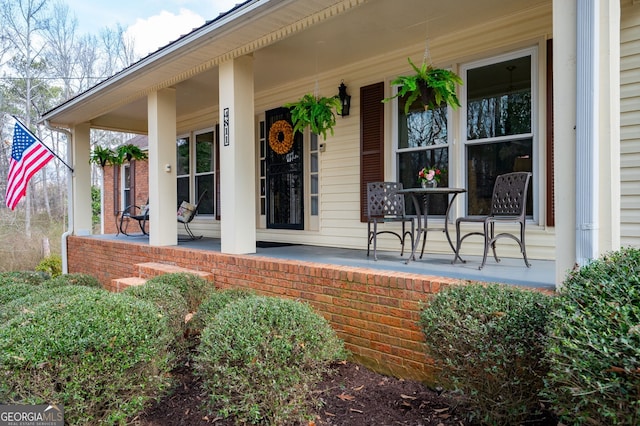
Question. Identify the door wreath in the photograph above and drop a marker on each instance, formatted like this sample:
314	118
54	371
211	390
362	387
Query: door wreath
281	136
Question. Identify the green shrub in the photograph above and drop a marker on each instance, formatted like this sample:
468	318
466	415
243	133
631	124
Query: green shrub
261	356
489	343
77	279
27	302
14	291
214	304
193	288
168	299
23	277
51	265
101	355
594	350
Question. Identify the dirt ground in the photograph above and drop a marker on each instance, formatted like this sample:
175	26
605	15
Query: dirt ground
353	395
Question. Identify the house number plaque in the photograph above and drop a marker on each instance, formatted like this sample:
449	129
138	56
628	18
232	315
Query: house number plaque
226	127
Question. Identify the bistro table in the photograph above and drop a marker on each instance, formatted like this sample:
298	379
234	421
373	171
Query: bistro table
420	197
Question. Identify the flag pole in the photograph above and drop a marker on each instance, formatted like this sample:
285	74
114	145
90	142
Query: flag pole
43	144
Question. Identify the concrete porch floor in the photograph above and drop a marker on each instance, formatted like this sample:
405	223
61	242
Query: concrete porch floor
512	271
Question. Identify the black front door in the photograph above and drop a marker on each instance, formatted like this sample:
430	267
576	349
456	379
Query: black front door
284	158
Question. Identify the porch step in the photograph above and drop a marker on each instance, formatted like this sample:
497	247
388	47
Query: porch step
153	269
119	284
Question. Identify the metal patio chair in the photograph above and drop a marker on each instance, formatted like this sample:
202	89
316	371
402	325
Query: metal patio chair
508	205
128	214
385	205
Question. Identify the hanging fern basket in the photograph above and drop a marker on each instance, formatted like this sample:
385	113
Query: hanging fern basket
315	112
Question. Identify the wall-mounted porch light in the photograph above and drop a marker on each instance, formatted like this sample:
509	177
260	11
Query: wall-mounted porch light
345	99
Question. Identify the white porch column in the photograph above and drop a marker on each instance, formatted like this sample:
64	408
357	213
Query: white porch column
162	153
564	135
237	157
81	151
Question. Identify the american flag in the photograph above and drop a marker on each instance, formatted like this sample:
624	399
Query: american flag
28	155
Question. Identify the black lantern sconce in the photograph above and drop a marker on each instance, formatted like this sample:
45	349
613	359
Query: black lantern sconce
345	99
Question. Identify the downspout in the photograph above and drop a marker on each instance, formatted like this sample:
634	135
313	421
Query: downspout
69	231
587	108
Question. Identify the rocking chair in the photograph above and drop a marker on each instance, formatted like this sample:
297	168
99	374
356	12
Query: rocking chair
128	214
186	213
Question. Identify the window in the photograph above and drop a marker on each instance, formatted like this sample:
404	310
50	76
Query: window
314	173
182	166
126	187
205	169
498	125
423	141
263	169
196	170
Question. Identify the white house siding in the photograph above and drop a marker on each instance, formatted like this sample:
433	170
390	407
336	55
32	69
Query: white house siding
630	122
339	223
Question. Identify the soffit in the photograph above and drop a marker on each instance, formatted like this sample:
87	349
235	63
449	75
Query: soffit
290	40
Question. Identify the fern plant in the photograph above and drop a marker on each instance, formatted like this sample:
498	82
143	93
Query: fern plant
315	112
102	156
130	152
432	85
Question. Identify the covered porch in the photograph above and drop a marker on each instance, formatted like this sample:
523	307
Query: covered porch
220	84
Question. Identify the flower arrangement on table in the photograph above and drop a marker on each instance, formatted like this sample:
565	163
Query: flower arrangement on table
429	176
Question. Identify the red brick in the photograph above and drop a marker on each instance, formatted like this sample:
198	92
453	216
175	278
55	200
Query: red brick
375	312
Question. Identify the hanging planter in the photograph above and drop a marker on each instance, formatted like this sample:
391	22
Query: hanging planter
432	86
130	152
315	112
106	156
103	156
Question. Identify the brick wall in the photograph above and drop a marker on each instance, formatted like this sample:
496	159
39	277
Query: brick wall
375	312
112	199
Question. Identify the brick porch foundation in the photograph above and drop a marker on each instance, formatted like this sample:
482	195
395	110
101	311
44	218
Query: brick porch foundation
375	312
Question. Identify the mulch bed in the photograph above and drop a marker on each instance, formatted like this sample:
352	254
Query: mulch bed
353	395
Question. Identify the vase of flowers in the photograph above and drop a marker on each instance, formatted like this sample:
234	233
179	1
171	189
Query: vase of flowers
429	178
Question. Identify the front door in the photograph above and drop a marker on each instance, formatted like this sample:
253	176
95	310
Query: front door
284	175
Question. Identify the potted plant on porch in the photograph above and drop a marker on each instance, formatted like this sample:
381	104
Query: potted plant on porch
130	152
315	112
102	156
432	86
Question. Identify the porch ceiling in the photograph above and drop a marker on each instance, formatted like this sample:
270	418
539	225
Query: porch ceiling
346	31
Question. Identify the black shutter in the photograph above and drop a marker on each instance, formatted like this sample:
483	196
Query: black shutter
551	205
371	140
217	172
133	194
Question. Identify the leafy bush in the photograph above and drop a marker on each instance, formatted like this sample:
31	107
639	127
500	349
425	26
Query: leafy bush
168	299
193	288
260	357
28	301
101	355
96	205
23	277
77	279
489	342
214	304
51	265
594	350
14	291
